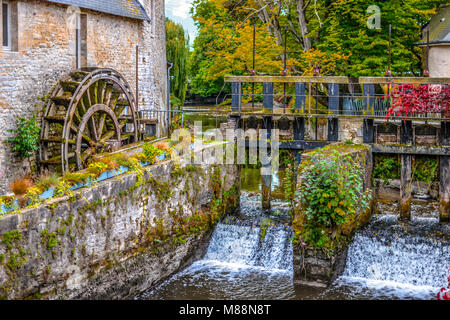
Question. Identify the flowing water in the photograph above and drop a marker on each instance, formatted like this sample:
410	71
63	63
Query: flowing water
250	256
386	260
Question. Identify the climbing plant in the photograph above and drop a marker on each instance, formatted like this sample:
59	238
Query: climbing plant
26	137
419	99
330	194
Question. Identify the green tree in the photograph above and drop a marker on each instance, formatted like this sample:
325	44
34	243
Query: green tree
177	43
332	35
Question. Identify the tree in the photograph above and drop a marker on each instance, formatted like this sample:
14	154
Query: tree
178	54
332	35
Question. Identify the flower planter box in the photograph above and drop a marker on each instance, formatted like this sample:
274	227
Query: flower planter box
117	172
103	176
47	194
4	209
77	186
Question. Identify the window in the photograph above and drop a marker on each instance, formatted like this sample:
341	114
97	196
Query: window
9	25
6	25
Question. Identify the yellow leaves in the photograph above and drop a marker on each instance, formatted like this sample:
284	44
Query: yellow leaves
340	212
327	63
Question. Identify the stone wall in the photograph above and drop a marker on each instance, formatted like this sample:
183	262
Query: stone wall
117	238
46	52
350	129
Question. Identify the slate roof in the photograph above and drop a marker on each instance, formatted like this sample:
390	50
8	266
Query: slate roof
439	27
124	8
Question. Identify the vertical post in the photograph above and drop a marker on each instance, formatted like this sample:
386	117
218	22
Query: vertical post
405	187
170	66
406	132
137	81
333	129
299	128
369	96
444	165
333	105
266	188
236	90
444	207
266	170
268	125
333	97
300	97
78	41
268	95
406	137
368	131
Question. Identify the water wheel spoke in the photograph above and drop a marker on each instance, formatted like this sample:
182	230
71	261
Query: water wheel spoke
93	129
101	91
101	124
84	100
87	153
108	135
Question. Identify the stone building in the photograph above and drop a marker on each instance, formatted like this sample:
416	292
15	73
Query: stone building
439	43
39	46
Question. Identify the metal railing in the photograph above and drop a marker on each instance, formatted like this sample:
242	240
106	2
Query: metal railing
370	97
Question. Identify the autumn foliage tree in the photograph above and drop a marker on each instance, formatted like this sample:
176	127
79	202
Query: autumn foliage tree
333	36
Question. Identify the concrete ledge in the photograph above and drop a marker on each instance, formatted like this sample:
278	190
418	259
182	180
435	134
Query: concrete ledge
404	149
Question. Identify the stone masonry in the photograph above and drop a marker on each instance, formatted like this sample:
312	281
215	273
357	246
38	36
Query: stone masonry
118	238
46	52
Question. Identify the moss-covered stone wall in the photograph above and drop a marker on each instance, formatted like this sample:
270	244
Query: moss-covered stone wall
117	238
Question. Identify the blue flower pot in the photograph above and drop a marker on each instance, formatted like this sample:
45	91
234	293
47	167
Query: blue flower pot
4	209
161	157
47	194
117	172
144	164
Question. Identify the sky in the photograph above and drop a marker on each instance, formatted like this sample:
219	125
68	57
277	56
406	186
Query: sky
178	11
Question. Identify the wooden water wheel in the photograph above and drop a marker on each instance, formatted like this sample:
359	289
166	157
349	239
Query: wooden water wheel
88	112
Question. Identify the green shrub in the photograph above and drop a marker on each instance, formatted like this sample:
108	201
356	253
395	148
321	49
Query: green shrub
425	169
151	152
330	193
26	137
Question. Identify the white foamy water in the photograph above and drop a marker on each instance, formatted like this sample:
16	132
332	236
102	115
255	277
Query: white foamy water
396	262
244	245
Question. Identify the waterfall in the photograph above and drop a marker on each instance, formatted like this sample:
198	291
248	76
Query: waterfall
244	245
393	260
241	262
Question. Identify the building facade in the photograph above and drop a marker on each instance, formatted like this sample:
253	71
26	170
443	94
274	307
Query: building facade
438	39
39	46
